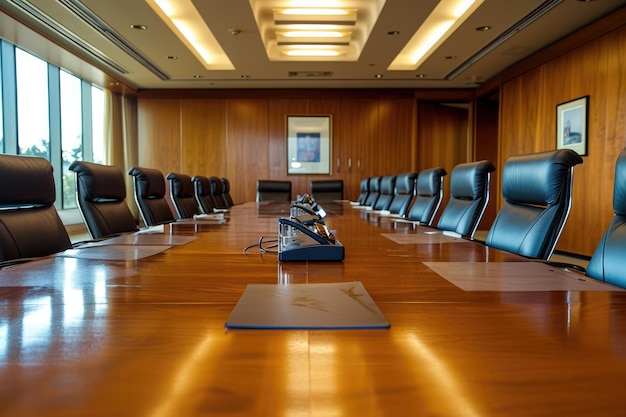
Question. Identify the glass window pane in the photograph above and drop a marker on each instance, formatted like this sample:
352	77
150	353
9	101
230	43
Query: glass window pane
71	134
97	123
32	105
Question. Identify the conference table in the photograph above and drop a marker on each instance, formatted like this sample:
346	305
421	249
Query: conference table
135	326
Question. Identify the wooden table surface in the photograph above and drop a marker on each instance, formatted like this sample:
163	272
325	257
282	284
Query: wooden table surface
146	337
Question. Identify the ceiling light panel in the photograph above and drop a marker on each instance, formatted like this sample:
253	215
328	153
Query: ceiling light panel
322	30
440	24
182	17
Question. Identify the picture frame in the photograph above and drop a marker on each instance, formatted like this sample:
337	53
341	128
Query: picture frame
308	145
571	125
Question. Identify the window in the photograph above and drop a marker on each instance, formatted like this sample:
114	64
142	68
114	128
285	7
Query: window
33	126
48	112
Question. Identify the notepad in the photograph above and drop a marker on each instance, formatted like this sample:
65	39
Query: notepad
345	305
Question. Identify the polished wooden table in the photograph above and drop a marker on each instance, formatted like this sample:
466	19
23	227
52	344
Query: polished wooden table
146	337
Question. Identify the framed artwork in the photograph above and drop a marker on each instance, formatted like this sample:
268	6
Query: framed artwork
308	145
571	125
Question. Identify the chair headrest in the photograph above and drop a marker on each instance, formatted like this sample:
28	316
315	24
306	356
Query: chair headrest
619	188
537	178
405	182
468	180
429	181
216	185
225	185
387	184
365	184
151	182
99	182
180	184
26	181
274	186
327	186
375	184
202	185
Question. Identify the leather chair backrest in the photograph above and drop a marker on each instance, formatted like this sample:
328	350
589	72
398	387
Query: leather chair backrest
149	189
202	193
537	192
181	193
428	195
469	195
268	190
101	195
608	262
387	191
374	191
227	196
364	191
327	190
217	193
29	224
405	191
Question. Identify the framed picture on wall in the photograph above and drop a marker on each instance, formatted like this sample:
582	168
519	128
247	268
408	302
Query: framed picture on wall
308	144
571	125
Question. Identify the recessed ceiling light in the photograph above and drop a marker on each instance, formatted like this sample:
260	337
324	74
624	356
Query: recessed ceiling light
393	33
197	76
483	28
420	75
245	76
171	57
378	76
139	27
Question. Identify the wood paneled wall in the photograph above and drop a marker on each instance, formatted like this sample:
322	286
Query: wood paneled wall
528	124
241	135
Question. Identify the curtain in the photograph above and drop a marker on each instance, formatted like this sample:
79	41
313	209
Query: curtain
120	138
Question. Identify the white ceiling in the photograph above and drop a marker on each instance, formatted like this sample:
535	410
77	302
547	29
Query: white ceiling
150	68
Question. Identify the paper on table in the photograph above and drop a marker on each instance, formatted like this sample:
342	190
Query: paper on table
344	305
515	276
422	238
114	252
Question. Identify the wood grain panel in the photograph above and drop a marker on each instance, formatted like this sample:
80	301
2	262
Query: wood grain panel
397	135
247	146
159	134
204	137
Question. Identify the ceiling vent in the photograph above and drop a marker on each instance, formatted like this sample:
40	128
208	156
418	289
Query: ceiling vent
310	74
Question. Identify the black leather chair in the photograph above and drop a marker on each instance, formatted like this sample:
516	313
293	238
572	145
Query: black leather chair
217	193
327	190
374	192
29	224
227	196
101	196
149	189
608	262
428	195
469	195
405	191
182	195
202	193
387	191
269	190
364	191
537	193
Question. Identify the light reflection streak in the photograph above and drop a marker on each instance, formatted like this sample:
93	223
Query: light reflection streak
4	340
441	376
320	375
183	380
37	322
